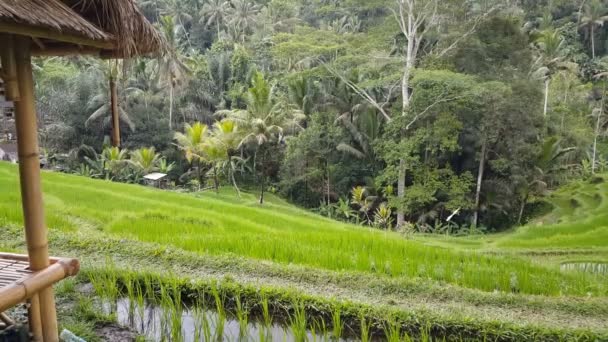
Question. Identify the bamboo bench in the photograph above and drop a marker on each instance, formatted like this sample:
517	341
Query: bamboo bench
18	283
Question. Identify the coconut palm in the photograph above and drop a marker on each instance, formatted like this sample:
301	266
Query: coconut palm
214	12
226	134
552	48
242	16
173	69
100	104
265	121
594	15
192	143
145	160
177	9
113	160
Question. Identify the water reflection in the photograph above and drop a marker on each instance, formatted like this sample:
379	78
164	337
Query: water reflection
589	267
193	324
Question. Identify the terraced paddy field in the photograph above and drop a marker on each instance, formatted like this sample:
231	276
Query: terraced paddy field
527	284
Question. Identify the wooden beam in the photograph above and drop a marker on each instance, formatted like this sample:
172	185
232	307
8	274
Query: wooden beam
38	42
36	283
9	72
65	50
31	188
38	32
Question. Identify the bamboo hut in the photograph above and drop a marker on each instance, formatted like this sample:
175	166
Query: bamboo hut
106	28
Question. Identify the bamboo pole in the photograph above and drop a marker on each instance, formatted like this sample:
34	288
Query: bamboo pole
30	286
31	190
33	317
115	114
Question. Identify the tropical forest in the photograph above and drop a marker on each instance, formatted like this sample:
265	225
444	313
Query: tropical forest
326	170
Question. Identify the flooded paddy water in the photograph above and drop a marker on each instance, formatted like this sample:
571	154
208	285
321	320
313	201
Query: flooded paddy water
192	324
587	267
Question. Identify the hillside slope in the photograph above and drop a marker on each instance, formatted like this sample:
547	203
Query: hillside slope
220	236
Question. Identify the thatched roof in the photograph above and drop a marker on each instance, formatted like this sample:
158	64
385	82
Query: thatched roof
116	28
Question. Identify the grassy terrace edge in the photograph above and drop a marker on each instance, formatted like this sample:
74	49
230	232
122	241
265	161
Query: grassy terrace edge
124	254
412	323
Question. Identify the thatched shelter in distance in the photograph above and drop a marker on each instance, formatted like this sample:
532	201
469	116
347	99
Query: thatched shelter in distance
107	28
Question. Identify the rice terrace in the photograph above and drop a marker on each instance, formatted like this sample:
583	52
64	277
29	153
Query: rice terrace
303	170
493	287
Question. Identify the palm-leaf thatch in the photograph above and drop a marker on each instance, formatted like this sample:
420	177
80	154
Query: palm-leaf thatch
133	34
54	15
117	28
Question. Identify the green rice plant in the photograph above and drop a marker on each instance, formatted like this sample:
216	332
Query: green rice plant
131	296
336	322
319	328
242	315
266	317
285	234
392	330
221	312
198	315
365	329
140	303
297	321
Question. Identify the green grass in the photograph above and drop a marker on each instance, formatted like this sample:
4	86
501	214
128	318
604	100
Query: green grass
579	221
211	224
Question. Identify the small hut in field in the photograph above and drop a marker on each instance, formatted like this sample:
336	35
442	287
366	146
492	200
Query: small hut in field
28	28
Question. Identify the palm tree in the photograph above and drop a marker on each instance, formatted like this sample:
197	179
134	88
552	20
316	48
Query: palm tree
192	143
242	16
105	103
173	68
264	122
214	12
226	135
177	9
303	93
594	15
113	160
546	164
145	160
551	45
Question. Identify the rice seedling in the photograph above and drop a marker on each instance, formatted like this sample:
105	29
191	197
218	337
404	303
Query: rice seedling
221	312
242	315
297	321
267	319
336	322
365	329
392	330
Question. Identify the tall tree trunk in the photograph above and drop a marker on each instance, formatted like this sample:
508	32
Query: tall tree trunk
199	175
482	162
216	181
328	182
217	25
263	184
547	81
410	58
401	193
171	106
596	134
114	112
521	209
593	40
238	192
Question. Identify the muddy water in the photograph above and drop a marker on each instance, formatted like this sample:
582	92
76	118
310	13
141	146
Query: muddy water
156	324
589	267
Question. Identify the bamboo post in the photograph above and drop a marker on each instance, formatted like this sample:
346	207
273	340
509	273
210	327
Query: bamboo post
114	110
31	190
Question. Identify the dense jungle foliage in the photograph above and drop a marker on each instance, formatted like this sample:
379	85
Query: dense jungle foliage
435	116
